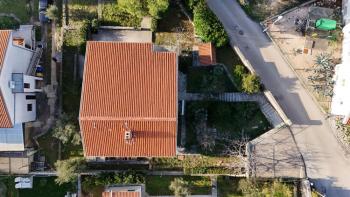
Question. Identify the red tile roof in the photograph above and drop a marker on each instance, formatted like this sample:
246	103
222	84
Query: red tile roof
4	40
207	55
121	194
5	121
129	83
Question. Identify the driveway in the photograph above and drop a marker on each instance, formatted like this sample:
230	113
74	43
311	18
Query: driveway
326	162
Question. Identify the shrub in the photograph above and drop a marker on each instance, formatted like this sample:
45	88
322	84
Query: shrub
67	170
208	27
180	187
8	23
251	83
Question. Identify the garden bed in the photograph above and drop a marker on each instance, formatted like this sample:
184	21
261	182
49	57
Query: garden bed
159	185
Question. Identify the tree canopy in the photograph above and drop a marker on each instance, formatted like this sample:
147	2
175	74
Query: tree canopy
66	131
52	12
207	25
67	170
133	7
155	7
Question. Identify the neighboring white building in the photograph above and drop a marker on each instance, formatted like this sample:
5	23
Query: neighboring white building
341	98
18	85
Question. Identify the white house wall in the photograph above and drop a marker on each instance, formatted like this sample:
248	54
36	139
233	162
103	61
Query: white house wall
21	112
16	60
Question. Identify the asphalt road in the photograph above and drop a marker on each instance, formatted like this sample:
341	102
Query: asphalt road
326	162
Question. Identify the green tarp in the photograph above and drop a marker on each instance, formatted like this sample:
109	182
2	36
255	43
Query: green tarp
326	24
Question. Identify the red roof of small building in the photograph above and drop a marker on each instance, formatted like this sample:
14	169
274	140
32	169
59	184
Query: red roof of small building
128	86
121	194
5	120
206	53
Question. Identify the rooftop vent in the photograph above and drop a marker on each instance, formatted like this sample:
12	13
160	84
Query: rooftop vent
128	134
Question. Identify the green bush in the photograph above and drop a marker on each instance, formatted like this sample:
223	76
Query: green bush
208	26
251	83
8	23
127	177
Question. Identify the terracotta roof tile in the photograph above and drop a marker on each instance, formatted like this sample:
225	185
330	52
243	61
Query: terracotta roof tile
129	83
207	55
4	40
121	194
5	121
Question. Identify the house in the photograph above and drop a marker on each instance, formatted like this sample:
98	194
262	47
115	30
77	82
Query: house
340	105
18	88
129	101
123	191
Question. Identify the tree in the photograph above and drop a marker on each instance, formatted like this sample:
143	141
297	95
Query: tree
180	187
52	12
68	170
251	83
133	7
155	7
66	131
208	26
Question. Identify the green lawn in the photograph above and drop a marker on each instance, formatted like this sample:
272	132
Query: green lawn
159	185
230	119
18	7
228	187
7	186
210	79
46	186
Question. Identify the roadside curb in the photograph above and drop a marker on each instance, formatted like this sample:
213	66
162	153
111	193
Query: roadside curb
345	148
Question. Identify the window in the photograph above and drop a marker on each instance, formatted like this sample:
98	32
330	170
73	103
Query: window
26	85
30	97
29	107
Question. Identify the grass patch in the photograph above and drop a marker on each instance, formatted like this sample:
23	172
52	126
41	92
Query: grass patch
229	119
8	23
7	186
49	147
211	79
159	185
228	187
20	8
227	56
44	186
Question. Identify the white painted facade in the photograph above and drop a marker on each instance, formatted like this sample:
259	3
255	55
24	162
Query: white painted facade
341	92
20	104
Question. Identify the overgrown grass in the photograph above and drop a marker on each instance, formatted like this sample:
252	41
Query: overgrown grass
229	119
198	164
211	79
20	8
46	186
228	187
159	185
7	186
